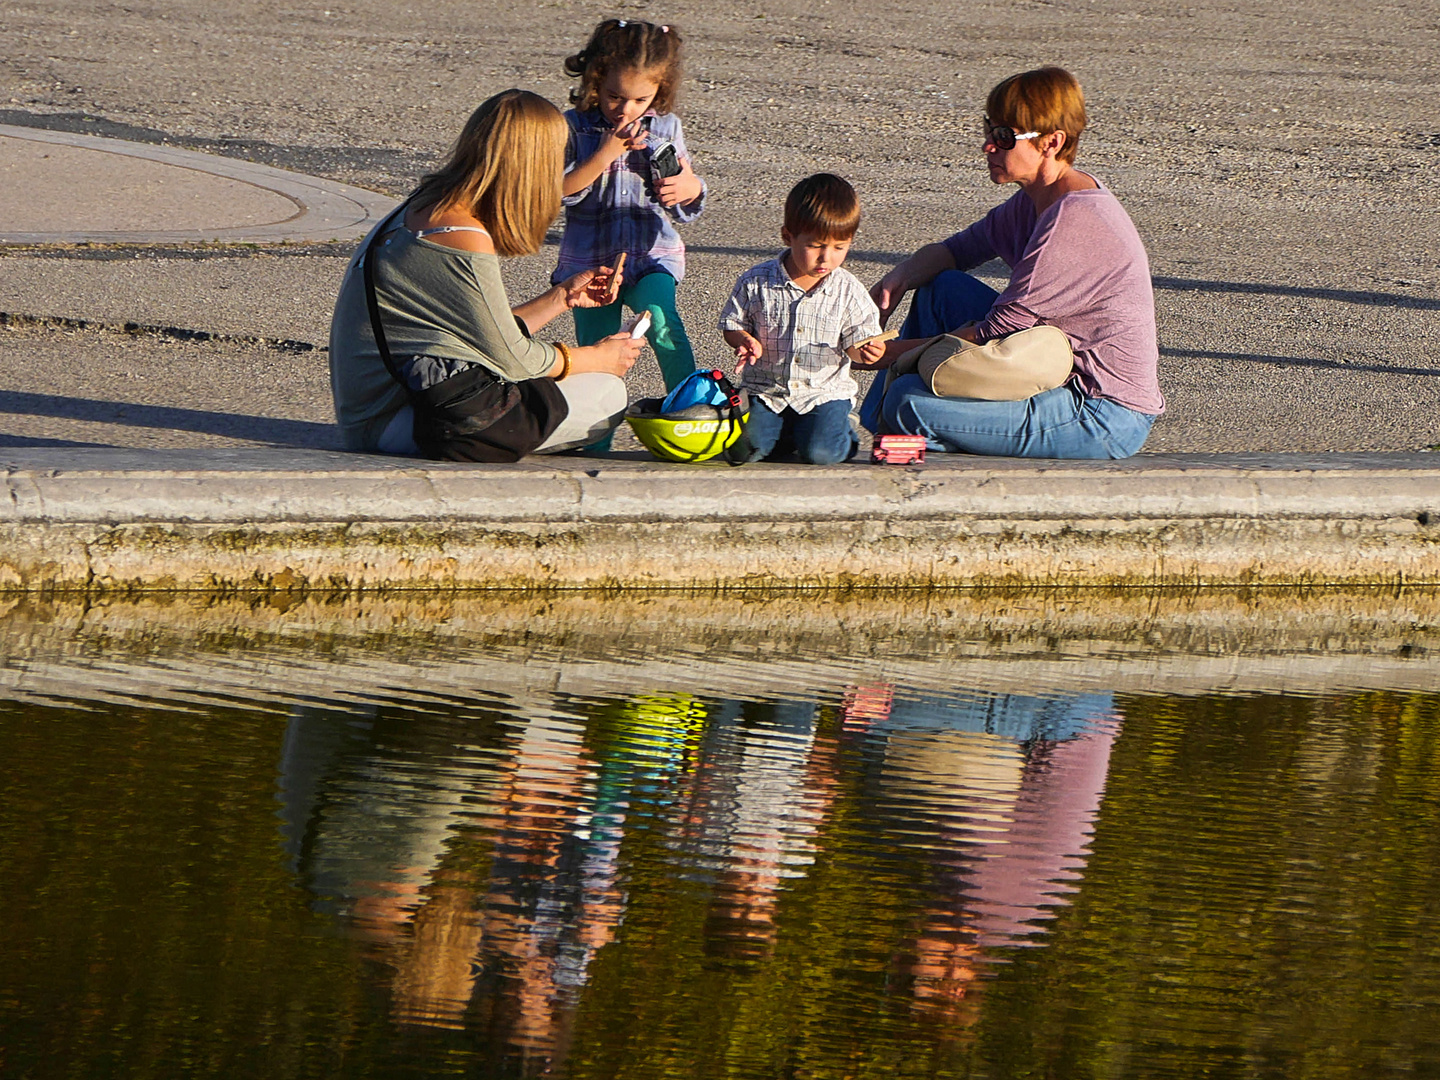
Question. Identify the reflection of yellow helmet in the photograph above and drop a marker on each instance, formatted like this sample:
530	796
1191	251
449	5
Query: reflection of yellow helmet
696	433
660	730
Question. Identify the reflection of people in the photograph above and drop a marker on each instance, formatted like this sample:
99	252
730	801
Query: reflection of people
488	858
534	951
797	321
381	821
387	822
762	794
1013	783
451	332
1076	263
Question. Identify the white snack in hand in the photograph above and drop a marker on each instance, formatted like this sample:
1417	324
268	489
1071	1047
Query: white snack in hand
642	324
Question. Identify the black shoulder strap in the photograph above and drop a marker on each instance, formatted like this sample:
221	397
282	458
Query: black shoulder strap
738	452
367	265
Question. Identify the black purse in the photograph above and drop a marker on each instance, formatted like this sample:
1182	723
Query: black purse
474	415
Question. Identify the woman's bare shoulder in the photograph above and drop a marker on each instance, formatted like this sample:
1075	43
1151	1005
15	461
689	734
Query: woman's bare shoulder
451	228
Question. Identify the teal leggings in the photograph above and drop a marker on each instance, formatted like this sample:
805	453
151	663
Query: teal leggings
655	293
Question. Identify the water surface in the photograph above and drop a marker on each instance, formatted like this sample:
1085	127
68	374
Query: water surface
1027	837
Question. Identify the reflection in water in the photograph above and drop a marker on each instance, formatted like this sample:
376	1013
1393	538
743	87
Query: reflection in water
1010	785
774	842
489	859
758	796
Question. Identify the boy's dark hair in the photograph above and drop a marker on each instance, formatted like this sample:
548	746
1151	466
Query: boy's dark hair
823	205
627	45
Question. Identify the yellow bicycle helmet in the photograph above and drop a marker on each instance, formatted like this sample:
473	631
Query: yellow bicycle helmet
696	433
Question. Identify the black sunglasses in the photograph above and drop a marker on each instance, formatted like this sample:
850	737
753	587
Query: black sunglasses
1006	137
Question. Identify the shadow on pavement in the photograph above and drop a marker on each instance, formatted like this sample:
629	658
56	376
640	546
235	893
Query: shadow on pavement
41	442
269	429
1343	296
1297	361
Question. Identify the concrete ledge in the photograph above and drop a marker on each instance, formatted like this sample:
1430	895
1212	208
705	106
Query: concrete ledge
107	520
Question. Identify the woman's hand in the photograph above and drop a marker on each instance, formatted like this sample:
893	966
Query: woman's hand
684	187
592	288
919	269
887	294
614	355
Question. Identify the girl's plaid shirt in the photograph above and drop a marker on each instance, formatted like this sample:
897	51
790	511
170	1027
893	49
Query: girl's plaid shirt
619	211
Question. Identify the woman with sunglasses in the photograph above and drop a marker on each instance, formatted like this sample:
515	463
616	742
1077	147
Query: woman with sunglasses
1076	263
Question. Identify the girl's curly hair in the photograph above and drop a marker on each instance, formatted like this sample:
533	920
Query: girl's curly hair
627	45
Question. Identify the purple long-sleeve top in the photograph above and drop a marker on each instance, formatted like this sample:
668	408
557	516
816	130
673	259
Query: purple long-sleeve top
1079	266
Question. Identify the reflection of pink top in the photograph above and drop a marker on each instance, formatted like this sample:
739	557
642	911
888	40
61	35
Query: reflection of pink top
1081	267
1046	846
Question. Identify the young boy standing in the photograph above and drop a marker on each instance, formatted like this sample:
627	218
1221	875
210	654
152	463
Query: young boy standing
795	323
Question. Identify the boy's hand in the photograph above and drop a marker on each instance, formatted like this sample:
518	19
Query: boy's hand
747	352
681	188
872	351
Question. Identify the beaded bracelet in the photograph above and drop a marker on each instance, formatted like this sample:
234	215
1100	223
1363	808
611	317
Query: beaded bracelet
564	351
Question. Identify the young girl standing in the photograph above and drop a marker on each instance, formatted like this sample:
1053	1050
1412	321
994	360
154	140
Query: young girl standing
616	203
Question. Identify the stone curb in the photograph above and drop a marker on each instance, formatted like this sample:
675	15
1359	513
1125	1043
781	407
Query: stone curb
113	487
269	519
324	209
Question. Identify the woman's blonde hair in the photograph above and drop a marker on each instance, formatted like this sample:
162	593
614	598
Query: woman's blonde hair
627	45
506	169
1044	100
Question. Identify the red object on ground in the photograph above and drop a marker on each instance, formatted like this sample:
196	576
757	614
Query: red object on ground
898	449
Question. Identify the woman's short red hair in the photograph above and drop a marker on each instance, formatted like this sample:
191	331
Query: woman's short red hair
1044	100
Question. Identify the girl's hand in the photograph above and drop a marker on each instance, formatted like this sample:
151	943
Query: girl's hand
747	352
887	294
622	140
591	288
682	188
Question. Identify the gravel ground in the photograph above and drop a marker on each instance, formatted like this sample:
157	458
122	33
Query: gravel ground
1282	162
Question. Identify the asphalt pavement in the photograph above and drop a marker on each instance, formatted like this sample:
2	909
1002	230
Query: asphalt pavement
184	183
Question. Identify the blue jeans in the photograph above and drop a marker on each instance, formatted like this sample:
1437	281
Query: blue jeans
822	436
953	299
1060	423
947	303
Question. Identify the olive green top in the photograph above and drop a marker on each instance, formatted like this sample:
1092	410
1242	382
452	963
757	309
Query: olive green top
434	300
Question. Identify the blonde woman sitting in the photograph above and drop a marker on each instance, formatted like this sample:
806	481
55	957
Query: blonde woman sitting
426	354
